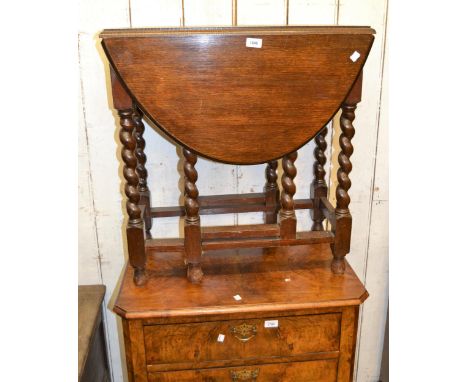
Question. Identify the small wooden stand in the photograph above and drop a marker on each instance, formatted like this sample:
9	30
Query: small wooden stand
221	99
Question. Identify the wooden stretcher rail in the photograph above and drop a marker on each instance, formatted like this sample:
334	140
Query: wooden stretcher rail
232	199
302	238
164	212
240	231
329	211
226	204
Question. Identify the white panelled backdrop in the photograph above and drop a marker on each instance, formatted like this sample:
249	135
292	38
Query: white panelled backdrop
102	249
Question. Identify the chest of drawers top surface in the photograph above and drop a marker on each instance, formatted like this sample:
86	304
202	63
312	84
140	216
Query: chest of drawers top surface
266	280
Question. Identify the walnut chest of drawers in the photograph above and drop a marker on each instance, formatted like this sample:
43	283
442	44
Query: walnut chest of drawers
295	319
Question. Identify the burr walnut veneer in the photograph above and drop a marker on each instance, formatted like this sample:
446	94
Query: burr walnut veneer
258	302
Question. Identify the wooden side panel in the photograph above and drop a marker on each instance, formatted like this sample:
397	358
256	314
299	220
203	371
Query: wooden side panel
349	324
135	350
317	371
120	98
194	343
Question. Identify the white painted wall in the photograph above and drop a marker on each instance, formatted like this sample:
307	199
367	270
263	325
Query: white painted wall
102	250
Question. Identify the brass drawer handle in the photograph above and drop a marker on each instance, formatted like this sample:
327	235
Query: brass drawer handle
244	332
244	375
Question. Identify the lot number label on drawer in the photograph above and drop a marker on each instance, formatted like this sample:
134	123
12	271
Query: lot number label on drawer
271	324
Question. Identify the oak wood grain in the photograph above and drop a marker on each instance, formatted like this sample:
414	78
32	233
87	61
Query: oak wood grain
204	86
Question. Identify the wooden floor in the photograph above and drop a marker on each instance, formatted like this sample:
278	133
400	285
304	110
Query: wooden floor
299	275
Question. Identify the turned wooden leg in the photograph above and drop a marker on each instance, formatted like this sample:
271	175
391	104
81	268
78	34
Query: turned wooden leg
342	243
341	246
192	229
145	194
271	193
319	186
135	226
287	214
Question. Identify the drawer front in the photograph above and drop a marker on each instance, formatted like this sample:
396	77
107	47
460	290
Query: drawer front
243	339
316	371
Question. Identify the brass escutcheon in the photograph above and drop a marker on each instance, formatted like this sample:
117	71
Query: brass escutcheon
244	332
244	375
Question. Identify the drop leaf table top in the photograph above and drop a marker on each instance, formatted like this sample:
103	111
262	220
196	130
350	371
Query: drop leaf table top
218	97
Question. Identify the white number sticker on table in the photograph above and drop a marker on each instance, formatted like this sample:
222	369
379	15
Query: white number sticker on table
253	42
